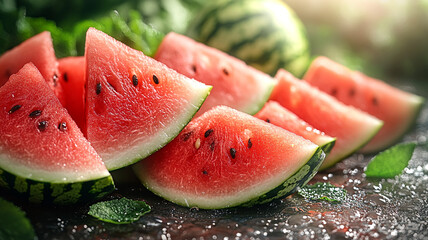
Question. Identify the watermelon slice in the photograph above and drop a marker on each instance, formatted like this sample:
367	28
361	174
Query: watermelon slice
227	158
43	154
73	80
134	104
235	84
277	115
351	127
38	50
398	109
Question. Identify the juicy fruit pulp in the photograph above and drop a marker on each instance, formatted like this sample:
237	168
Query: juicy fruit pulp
42	151
38	50
134	104
227	158
277	115
235	84
398	109
73	80
351	127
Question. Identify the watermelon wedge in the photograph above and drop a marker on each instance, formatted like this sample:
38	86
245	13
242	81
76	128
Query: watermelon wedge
235	84
73	80
277	115
134	104
38	50
43	154
227	158
396	108
351	127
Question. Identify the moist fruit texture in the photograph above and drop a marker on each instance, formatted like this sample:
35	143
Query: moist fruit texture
227	158
351	127
277	115
44	157
134	104
396	108
38	50
235	84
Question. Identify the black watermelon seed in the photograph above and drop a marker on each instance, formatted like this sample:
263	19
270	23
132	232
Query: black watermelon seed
208	132
42	125
375	101
250	144
212	144
204	172
35	113
62	126
267	120
194	68
134	80
98	88
65	75
333	92
226	72
187	135
14	109
155	79
233	153
8	73
351	92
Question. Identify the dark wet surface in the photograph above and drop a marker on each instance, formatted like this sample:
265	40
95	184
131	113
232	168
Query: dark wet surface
374	209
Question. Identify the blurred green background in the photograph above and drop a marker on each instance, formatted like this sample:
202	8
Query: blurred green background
383	38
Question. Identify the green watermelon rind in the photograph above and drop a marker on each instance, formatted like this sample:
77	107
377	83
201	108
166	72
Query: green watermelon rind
328	146
290	185
329	164
298	179
219	24
185	120
40	192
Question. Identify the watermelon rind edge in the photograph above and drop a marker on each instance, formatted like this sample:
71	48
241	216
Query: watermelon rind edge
287	187
66	193
328	146
370	137
203	97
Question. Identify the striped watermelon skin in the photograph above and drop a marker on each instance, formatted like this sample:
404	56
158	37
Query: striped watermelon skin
265	34
55	193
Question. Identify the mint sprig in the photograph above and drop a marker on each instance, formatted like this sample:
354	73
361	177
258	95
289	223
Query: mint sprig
13	222
119	211
391	162
323	191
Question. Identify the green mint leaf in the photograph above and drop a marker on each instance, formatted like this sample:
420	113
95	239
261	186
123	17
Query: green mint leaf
391	162
323	191
13	222
119	211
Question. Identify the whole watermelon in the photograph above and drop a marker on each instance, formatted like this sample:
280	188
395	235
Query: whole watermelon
266	34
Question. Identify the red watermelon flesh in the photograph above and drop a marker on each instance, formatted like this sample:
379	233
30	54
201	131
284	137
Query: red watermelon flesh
73	80
134	104
226	158
277	115
351	127
235	84
38	50
398	109
38	138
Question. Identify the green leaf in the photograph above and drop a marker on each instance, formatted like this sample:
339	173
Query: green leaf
391	162
119	211
13	223
323	191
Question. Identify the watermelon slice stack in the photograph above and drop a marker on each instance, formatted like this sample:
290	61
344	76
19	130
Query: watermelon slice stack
115	107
